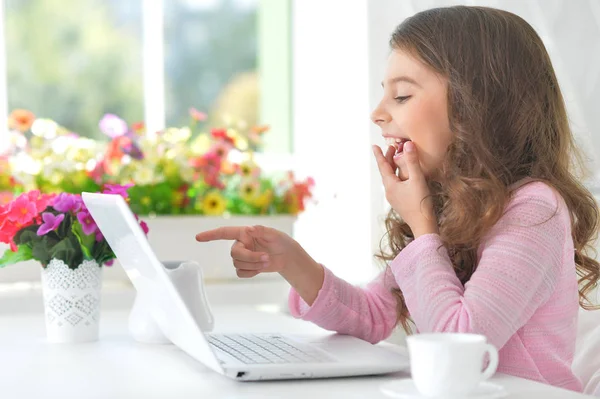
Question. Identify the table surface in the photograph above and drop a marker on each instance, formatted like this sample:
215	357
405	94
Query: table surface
117	367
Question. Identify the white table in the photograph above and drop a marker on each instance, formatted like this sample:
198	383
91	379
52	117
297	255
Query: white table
117	367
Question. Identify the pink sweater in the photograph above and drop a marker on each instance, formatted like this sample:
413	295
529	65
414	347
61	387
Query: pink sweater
523	296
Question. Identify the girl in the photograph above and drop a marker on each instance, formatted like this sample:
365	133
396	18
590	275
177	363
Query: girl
489	227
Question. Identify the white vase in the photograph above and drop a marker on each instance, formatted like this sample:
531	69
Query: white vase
72	301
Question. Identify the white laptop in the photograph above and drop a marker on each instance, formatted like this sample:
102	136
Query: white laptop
243	356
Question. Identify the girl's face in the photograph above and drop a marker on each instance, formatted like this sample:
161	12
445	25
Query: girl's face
414	107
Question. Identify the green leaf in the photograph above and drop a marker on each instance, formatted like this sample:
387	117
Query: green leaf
66	250
27	235
9	257
85	241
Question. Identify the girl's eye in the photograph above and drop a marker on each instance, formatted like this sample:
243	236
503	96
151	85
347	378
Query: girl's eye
401	99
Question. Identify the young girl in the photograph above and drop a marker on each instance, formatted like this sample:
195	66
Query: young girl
489	227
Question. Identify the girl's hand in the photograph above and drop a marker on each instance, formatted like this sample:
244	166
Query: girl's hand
260	249
410	198
256	249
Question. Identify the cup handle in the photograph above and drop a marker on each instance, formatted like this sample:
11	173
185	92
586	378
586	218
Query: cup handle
493	364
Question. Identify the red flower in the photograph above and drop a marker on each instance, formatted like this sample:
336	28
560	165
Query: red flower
138	127
221	134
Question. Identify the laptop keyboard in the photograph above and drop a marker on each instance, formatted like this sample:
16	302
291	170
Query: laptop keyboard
266	349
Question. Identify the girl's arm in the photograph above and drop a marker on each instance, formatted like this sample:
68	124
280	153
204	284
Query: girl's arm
520	262
368	313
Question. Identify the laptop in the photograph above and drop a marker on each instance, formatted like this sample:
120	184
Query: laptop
243	356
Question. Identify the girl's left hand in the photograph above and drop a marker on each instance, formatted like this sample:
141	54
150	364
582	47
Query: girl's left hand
410	198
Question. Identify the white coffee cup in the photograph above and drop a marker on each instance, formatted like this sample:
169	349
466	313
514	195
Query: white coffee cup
449	364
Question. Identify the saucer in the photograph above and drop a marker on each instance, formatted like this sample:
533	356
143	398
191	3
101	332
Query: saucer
405	389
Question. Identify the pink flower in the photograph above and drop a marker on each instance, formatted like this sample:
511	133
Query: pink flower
99	236
220	149
22	210
88	224
113	126
117	189
51	223
109	262
197	115
67	203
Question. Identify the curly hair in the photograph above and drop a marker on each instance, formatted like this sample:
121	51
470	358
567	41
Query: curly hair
508	121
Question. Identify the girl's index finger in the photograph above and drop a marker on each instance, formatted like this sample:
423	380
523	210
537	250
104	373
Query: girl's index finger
222	233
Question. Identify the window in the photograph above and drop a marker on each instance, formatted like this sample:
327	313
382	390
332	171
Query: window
146	60
74	61
149	59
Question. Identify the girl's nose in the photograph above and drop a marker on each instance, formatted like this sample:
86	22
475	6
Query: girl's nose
379	116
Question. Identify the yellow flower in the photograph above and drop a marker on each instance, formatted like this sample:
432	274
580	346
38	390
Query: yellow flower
249	190
249	169
264	200
213	204
143	176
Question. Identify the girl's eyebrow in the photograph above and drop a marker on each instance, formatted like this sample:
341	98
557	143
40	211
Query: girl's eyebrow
402	78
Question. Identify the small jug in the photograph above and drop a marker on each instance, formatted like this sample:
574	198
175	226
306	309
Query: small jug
187	279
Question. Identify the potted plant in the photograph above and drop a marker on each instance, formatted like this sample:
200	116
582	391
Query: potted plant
58	232
186	179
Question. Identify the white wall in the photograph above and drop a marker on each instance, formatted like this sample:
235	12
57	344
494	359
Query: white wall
332	131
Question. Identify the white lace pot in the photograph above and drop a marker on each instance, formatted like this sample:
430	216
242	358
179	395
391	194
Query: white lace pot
72	301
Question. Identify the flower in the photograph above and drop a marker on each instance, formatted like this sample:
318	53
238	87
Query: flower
51	223
213	203
75	236
222	134
113	126
260	129
249	169
197	115
5	197
220	149
117	189
87	222
249	190
22	210
21	120
138	127
65	202
45	128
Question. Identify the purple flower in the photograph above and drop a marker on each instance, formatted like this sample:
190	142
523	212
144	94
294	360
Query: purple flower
51	223
99	236
65	202
132	149
109	262
113	126
117	189
87	223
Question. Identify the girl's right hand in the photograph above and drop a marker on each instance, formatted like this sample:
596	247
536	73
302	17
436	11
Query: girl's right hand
257	249
260	249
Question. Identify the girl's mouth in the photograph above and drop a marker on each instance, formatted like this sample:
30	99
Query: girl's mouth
398	143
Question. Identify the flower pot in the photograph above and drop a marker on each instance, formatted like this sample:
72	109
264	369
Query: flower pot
173	239
72	301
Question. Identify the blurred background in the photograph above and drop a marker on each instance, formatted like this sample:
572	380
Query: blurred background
311	69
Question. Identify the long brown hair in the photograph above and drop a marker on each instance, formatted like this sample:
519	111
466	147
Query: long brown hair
508	122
